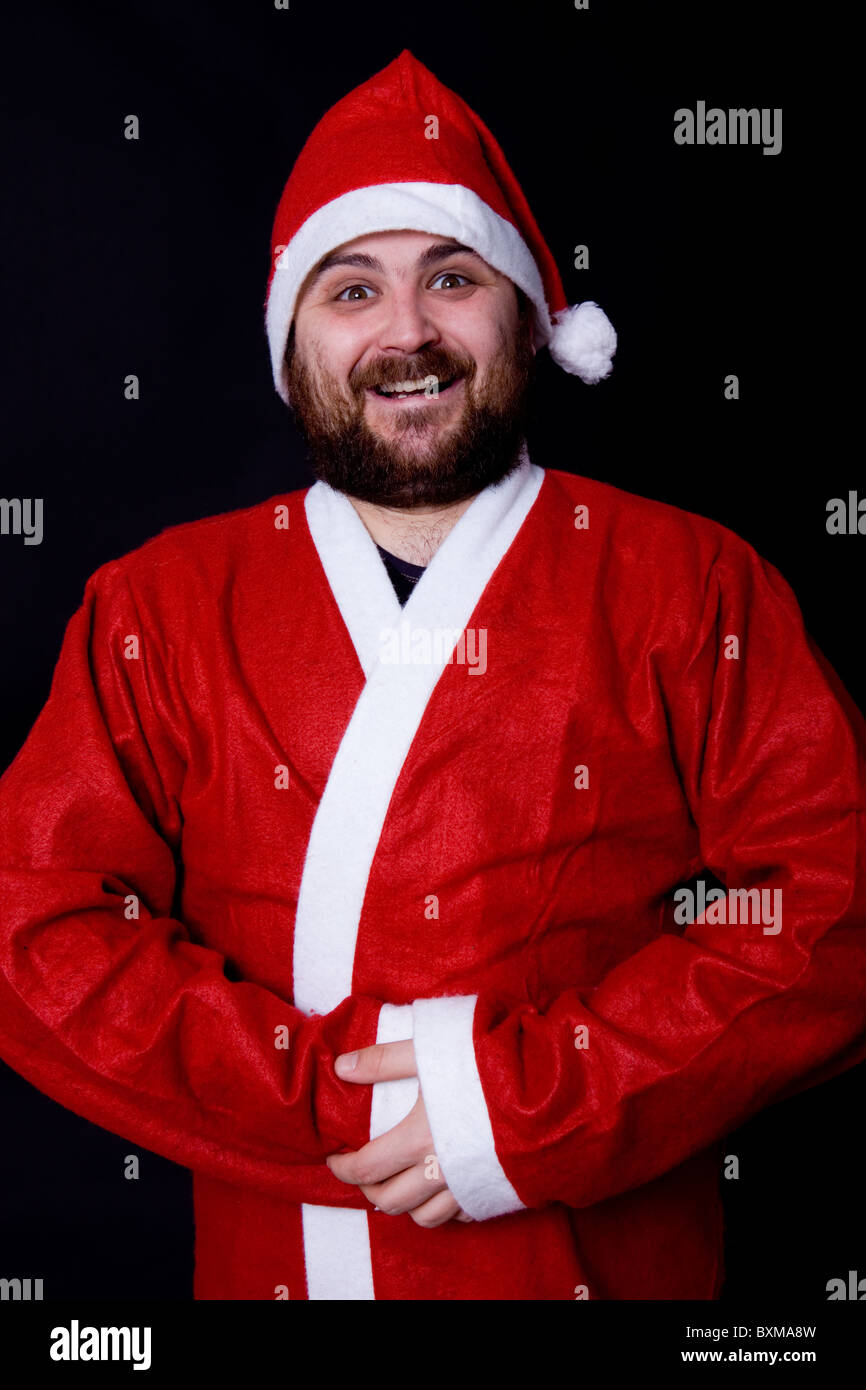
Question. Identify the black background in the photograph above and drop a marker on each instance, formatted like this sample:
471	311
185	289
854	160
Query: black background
151	257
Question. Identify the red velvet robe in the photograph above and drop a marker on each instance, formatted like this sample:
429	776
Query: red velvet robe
332	846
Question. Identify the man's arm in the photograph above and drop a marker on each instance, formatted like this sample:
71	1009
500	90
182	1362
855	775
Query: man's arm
696	1032
127	1021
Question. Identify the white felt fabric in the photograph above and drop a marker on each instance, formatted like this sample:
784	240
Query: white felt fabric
456	1108
348	825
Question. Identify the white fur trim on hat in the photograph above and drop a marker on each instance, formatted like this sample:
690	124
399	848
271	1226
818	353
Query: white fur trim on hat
438	208
583	341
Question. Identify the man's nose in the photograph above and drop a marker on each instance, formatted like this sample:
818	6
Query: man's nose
407	324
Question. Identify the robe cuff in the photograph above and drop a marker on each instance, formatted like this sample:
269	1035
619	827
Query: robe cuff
456	1108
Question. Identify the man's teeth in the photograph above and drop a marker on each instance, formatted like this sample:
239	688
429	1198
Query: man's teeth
404	387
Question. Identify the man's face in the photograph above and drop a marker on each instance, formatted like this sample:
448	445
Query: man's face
398	307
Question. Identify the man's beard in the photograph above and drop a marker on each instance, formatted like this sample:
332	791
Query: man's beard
482	447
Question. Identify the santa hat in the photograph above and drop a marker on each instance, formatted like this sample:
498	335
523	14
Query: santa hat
378	162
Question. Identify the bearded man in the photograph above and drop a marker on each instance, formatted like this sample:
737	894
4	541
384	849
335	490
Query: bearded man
383	947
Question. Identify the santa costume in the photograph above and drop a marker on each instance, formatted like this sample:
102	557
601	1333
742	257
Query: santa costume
242	839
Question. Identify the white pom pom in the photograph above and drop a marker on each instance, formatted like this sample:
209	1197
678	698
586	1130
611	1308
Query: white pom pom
583	341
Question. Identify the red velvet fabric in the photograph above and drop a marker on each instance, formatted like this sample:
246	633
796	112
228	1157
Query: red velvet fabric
155	776
379	133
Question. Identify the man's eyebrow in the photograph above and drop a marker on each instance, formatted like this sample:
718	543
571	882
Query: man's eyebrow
440	252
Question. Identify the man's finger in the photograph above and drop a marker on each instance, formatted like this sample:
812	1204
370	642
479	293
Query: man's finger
436	1212
379	1062
403	1192
381	1159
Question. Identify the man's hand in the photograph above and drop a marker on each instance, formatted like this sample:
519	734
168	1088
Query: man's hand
397	1172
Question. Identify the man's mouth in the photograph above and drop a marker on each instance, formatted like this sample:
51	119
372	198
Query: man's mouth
414	389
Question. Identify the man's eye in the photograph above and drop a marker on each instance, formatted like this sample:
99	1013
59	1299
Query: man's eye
452	275
350	289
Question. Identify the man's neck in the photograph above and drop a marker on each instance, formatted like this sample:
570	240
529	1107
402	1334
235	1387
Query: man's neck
411	533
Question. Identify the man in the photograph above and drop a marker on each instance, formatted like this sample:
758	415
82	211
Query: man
442	840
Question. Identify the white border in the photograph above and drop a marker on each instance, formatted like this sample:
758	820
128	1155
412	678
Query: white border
456	1108
392	1100
337	1253
350	816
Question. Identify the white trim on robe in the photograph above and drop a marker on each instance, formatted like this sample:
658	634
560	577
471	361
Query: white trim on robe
348	825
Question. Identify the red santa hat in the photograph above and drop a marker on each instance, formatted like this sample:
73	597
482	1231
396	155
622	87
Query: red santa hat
378	162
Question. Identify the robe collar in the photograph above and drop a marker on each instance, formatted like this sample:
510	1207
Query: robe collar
451	584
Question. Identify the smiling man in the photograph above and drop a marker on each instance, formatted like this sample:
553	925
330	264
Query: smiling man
386	951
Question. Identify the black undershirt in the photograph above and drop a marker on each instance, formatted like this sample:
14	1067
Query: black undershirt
403	575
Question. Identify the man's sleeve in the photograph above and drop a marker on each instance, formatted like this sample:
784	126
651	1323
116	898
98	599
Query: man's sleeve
128	1022
706	1025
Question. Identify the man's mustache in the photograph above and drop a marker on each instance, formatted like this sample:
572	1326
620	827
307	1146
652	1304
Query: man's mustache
389	372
